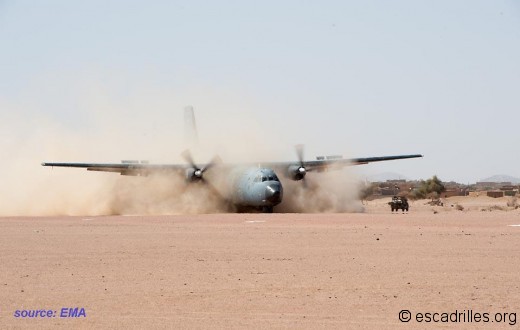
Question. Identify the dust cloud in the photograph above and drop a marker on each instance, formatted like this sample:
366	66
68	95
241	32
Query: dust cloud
107	129
335	191
163	194
327	192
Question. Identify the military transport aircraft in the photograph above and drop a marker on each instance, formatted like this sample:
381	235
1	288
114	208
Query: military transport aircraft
248	185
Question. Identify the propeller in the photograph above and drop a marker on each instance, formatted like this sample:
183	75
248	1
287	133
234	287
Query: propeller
300	171
197	173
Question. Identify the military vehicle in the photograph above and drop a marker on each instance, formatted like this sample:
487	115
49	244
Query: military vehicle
399	203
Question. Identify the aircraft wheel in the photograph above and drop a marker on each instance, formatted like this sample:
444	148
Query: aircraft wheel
267	209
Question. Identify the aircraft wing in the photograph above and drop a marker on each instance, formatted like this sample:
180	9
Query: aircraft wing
144	169
335	162
125	168
317	164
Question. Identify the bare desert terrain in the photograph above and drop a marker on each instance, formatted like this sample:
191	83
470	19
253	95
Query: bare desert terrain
354	270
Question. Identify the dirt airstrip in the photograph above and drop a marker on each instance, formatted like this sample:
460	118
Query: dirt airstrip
356	270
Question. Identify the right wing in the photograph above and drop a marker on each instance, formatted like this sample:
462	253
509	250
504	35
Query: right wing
125	168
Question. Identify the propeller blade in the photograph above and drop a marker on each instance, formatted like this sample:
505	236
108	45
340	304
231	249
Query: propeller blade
214	161
186	154
299	153
212	189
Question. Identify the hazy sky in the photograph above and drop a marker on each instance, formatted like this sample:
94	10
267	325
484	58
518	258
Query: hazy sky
359	78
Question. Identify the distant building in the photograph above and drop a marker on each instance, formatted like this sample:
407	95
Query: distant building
454	192
484	185
396	181
495	193
387	191
510	190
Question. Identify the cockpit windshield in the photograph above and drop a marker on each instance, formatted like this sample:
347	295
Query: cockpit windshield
272	177
264	178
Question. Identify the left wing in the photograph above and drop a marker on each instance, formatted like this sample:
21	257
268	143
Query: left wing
318	164
336	162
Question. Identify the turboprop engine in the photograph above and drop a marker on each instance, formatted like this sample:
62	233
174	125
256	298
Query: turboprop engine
296	172
193	174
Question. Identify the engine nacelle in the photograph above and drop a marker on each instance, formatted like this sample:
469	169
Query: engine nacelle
193	175
296	172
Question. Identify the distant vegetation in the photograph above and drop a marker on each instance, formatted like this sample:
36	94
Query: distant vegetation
368	190
431	188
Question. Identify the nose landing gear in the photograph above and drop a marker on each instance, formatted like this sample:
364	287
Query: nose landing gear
267	209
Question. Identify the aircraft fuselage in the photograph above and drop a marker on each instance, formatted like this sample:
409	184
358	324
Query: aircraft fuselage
256	187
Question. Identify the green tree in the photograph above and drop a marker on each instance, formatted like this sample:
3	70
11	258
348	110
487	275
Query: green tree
432	187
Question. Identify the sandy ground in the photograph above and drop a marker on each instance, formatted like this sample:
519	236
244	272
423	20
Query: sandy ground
262	270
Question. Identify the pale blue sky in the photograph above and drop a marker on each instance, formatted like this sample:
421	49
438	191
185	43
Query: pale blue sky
363	78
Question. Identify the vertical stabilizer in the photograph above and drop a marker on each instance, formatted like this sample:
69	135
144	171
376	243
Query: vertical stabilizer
191	138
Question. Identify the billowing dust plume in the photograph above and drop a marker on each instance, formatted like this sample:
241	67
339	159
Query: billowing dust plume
327	192
163	194
149	126
335	191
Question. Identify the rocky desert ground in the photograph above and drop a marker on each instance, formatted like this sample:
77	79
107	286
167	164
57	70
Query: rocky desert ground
352	270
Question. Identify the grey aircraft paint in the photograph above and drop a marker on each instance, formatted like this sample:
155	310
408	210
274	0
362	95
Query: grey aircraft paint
255	187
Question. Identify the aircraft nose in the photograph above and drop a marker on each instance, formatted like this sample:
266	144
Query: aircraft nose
273	193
